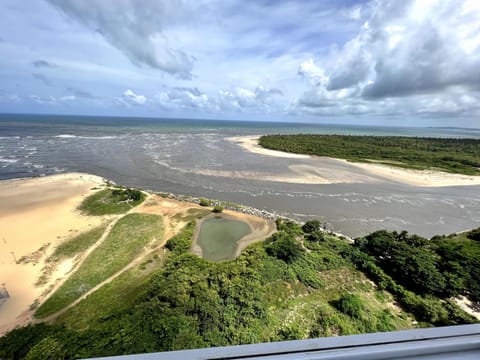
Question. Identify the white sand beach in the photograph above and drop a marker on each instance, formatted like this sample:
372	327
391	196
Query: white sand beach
37	213
324	170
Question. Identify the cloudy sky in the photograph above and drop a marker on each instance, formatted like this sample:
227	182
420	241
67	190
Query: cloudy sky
383	62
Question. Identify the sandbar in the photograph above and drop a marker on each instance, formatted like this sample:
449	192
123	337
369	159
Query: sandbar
326	170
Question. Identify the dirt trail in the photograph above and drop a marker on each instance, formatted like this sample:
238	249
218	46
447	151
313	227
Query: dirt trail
174	214
171	227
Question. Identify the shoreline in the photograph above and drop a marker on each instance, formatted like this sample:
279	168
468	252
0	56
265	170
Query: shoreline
318	173
259	231
34	207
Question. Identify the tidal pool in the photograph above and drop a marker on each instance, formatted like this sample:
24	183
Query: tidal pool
218	237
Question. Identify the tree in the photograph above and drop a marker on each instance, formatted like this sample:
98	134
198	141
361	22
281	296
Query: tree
47	349
205	202
474	234
284	247
316	236
217	209
311	226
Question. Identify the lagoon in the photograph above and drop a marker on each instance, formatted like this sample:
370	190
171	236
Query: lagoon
218	237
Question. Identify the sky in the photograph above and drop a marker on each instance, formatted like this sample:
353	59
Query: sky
392	62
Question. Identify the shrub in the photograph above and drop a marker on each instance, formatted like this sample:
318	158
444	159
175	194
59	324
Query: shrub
288	226
349	304
204	202
47	348
182	242
283	246
217	209
316	236
311	226
474	234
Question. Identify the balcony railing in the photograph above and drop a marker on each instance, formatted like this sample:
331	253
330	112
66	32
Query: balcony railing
452	342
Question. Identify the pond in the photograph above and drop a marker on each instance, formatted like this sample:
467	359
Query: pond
218	237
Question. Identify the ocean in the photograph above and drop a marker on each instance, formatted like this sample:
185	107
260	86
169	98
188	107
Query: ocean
195	157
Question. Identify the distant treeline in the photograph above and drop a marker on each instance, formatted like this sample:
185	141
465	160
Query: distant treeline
191	303
460	156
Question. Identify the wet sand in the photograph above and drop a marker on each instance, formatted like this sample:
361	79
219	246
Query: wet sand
324	170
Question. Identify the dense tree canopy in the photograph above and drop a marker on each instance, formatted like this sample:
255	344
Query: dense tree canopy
451	155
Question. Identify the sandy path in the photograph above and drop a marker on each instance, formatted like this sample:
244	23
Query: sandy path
324	170
33	213
154	204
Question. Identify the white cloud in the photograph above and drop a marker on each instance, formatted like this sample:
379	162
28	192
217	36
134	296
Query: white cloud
184	98
412	57
260	99
136	28
131	96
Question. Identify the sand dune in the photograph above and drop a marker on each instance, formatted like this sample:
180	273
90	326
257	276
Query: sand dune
34	213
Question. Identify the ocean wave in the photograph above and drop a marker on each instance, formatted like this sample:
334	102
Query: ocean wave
69	136
10	161
65	136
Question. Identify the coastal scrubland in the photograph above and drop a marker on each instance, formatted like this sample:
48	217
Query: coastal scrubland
301	282
459	156
113	200
125	241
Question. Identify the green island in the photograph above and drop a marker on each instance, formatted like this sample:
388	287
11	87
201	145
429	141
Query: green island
301	282
460	156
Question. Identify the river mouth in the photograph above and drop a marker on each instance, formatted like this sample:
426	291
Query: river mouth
218	237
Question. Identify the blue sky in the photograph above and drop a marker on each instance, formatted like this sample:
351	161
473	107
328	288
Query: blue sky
382	62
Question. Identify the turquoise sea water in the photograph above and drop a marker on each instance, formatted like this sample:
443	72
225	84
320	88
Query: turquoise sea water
195	157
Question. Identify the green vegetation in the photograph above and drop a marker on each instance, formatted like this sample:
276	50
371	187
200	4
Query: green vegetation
422	274
205	202
192	214
350	304
288	287
442	267
284	247
217	209
112	201
77	244
112	298
182	242
48	348
126	241
451	155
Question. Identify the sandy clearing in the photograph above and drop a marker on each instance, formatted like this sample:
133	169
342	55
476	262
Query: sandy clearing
35	212
168	209
468	306
324	170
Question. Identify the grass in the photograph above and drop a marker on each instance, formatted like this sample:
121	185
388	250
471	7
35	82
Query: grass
460	156
78	243
191	214
125	242
109	201
306	312
302	296
116	296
